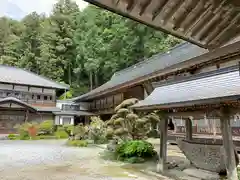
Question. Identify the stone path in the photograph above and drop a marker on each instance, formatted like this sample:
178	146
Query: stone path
50	160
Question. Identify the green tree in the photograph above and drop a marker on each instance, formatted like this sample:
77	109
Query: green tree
30	43
107	42
59	48
10	32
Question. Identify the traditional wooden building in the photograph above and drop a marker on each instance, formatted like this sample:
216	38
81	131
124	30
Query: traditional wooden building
184	60
135	81
25	96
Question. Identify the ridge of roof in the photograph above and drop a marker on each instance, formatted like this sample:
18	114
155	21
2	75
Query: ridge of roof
54	84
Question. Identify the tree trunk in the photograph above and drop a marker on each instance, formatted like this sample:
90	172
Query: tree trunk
91	80
69	74
95	79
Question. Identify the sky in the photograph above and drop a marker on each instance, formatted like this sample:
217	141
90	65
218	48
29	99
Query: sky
11	7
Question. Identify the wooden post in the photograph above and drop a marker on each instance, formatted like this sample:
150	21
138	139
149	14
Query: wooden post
26	116
230	160
161	167
188	125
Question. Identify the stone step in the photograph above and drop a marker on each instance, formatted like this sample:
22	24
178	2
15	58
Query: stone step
202	174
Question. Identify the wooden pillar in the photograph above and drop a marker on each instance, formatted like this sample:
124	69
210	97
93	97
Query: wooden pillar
161	167
230	160
188	125
26	115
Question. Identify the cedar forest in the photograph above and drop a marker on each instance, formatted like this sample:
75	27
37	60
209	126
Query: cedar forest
80	48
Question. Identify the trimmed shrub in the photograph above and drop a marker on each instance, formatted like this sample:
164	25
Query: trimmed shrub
97	131
61	133
23	135
80	132
23	131
69	129
46	127
135	151
13	137
77	143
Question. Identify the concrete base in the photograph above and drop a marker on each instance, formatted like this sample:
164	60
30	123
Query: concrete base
202	174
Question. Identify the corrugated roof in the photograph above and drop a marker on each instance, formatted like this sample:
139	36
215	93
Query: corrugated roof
225	84
178	54
16	75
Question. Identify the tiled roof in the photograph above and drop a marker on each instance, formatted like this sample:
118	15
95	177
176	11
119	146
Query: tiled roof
178	54
15	75
17	101
217	85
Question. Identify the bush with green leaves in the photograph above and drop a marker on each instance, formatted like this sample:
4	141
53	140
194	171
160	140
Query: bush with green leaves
135	151
69	129
97	131
23	130
13	137
80	132
77	143
46	127
61	133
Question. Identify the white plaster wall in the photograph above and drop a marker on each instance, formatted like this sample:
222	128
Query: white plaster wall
62	117
20	88
59	105
50	91
57	120
6	86
35	89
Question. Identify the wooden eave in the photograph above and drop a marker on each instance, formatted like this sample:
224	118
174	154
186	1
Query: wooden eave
208	24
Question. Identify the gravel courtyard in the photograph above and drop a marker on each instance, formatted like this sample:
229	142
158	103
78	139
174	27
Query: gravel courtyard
51	160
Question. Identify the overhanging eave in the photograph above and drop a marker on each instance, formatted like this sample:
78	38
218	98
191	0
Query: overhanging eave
208	24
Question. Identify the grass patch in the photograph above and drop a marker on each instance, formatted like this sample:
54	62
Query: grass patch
77	143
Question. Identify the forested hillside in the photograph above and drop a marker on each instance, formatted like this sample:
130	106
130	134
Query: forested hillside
80	48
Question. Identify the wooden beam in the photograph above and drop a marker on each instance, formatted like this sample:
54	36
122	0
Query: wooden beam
161	167
230	160
188	124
